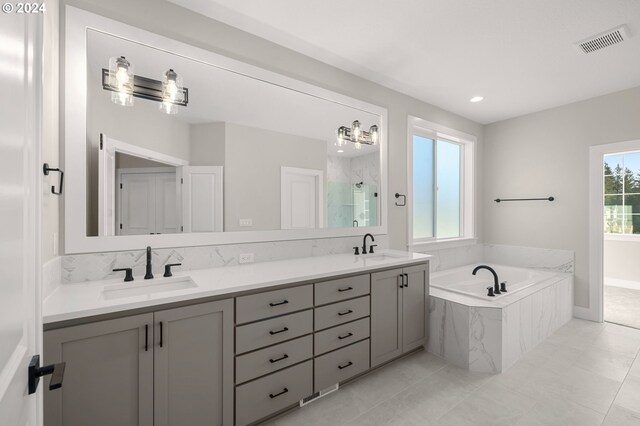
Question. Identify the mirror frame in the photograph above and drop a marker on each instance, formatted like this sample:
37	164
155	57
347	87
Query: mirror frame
78	22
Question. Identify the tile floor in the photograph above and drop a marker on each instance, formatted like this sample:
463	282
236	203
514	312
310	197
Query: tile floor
622	305
584	374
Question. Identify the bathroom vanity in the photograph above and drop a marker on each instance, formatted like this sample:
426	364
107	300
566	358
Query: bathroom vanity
236	346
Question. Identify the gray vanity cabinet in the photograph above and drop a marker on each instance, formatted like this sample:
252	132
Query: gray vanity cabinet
108	378
398	312
193	365
169	367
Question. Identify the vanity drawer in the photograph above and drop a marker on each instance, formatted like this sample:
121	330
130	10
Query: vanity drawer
342	364
338	313
341	289
257	399
276	330
272	303
273	358
342	335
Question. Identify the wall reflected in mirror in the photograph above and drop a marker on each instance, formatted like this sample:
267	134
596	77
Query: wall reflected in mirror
241	155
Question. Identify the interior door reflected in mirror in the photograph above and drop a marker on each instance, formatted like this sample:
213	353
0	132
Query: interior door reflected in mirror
176	145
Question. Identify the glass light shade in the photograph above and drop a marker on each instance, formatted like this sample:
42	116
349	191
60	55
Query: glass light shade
172	88
121	80
373	131
357	145
340	137
168	107
355	130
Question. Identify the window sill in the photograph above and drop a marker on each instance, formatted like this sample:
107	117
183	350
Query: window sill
622	237
443	244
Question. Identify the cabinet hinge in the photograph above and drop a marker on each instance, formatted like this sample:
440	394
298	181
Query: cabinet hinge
120	186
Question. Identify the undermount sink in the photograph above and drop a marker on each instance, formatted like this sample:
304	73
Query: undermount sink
148	287
381	257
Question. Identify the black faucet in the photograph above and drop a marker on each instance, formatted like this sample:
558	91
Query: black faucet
496	281
364	243
149	274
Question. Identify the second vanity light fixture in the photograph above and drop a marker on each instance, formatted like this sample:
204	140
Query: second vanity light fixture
125	85
357	136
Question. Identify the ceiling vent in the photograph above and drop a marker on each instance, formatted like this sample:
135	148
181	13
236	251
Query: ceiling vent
604	39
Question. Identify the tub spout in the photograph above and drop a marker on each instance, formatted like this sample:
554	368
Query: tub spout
496	281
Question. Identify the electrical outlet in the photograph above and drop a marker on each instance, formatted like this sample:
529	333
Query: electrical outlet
245	258
246	222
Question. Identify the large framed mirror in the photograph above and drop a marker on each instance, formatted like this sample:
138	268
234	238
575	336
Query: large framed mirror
172	145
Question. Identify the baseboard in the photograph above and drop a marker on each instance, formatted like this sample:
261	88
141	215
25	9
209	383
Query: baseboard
582	313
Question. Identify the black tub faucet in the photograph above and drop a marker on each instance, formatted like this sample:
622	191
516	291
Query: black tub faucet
496	281
148	274
364	243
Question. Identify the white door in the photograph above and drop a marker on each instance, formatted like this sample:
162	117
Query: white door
106	187
20	316
166	204
137	204
301	198
202	203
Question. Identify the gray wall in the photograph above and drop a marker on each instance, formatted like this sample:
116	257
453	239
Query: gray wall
621	260
547	153
173	21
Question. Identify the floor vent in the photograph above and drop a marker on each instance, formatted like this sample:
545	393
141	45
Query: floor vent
604	39
318	395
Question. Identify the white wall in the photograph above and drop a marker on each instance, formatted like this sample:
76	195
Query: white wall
546	153
622	260
173	21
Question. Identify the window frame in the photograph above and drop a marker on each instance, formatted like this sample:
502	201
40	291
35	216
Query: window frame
608	236
467	142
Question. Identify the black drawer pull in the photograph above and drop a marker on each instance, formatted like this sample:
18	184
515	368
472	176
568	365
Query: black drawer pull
345	312
285	356
279	331
345	336
345	289
146	337
285	390
349	364
284	302
161	333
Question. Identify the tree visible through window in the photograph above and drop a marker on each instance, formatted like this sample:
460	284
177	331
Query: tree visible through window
622	193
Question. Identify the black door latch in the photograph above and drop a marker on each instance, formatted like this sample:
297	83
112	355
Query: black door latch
35	372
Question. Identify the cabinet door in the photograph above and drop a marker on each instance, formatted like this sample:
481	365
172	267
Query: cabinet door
193	359
414	313
108	378
386	316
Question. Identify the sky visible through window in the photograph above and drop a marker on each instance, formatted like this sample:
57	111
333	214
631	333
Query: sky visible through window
444	203
622	193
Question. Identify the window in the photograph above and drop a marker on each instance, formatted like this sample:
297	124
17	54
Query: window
622	193
440	183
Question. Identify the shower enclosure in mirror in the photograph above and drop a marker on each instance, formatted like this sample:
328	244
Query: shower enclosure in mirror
180	141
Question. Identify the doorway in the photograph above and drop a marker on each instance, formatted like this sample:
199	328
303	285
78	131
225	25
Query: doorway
615	233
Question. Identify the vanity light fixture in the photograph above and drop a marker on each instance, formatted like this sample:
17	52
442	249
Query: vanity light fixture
476	99
124	85
357	136
121	81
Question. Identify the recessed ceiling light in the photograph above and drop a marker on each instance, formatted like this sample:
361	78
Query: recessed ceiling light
476	99
341	150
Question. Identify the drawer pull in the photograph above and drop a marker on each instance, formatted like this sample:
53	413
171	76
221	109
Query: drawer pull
272	395
345	289
345	336
285	356
349	364
279	331
345	312
284	302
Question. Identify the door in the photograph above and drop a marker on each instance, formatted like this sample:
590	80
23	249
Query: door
137	204
301	198
20	174
193	374
202	202
166	204
108	378
414	312
386	316
106	187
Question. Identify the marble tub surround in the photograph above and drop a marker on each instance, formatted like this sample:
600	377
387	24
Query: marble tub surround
490	337
99	266
71	301
453	257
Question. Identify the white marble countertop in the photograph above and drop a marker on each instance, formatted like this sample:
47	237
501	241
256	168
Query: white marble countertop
73	301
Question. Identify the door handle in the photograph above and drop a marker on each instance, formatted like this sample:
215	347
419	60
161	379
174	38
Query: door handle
35	372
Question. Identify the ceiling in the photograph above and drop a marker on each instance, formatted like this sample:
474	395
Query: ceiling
518	54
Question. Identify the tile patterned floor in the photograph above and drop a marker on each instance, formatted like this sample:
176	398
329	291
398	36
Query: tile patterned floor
584	374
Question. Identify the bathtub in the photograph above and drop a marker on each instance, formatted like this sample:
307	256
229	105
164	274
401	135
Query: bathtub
462	281
489	334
